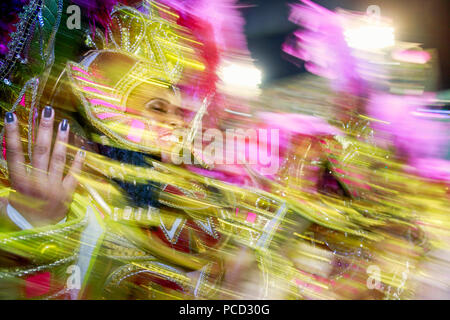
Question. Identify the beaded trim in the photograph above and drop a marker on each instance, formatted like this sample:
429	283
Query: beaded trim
59	230
173	235
204	288
152	267
22	272
22	37
212	232
24	30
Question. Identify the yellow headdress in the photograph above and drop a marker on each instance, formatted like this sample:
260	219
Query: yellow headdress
139	47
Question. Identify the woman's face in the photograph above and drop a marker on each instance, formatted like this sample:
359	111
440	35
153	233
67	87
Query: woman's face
150	115
161	106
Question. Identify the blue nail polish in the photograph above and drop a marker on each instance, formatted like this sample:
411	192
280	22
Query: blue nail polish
9	117
64	125
47	112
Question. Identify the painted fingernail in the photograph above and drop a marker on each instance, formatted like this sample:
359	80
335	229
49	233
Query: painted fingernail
47	112
64	125
82	152
9	117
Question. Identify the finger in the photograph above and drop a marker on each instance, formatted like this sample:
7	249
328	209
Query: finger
70	181
41	151
58	160
14	151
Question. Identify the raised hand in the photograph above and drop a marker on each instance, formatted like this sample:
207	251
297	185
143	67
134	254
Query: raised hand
41	194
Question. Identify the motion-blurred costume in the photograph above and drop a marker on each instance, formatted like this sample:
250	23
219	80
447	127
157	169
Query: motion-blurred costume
370	214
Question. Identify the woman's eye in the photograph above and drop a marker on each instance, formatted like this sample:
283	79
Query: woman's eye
159	106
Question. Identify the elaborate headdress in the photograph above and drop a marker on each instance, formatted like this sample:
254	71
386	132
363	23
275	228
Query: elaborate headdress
169	47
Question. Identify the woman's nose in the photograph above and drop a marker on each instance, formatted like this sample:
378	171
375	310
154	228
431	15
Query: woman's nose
175	122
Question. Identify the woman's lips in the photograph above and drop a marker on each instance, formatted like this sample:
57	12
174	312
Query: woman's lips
167	136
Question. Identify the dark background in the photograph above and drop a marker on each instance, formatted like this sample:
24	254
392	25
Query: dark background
420	21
